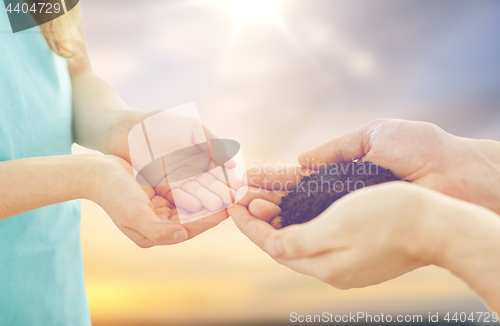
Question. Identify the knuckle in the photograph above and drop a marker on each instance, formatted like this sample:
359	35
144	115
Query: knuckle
337	279
275	247
341	285
158	237
431	128
328	277
325	276
380	121
375	124
143	245
329	274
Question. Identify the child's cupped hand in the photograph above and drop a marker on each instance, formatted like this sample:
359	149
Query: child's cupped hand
142	212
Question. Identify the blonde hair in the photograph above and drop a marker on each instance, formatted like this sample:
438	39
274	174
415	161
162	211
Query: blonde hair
63	34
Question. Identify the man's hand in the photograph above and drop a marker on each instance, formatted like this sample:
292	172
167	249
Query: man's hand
422	153
418	152
365	238
379	233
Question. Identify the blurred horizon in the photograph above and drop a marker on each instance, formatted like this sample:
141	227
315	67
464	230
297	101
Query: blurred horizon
281	80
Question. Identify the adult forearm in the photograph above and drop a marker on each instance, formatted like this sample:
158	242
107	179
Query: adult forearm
487	183
31	183
471	249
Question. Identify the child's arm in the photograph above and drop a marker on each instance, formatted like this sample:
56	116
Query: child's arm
31	183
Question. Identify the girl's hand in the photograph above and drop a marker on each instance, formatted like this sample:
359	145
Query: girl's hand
145	217
199	188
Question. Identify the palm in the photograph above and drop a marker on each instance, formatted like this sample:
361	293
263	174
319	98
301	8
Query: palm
176	139
144	214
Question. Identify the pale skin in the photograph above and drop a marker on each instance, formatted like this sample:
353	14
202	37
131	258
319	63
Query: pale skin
384	231
102	122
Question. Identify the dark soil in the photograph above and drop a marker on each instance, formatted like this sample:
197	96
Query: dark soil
318	191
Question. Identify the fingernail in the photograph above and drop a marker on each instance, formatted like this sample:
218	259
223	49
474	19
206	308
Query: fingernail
275	248
180	236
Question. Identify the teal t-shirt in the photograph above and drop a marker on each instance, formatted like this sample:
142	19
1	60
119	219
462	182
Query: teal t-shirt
41	265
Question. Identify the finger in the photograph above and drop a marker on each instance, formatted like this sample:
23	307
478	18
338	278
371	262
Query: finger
324	267
263	209
162	232
162	191
143	220
164	213
234	181
208	199
277	222
259	232
346	148
162	208
175	215
137	238
304	240
215	186
245	195
199	226
159	202
183	174
291	242
182	199
315	237
185	216
272	178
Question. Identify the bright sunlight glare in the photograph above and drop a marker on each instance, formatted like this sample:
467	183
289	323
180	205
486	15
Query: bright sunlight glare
244	11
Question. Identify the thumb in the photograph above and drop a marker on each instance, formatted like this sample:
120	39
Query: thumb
303	240
342	149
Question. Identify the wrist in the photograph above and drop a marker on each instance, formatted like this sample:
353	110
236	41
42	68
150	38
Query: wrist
487	190
469	247
92	170
424	235
115	141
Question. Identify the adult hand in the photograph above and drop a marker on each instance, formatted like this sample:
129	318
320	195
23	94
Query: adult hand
422	153
379	233
364	238
138	211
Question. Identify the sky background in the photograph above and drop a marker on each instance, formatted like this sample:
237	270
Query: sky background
280	86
